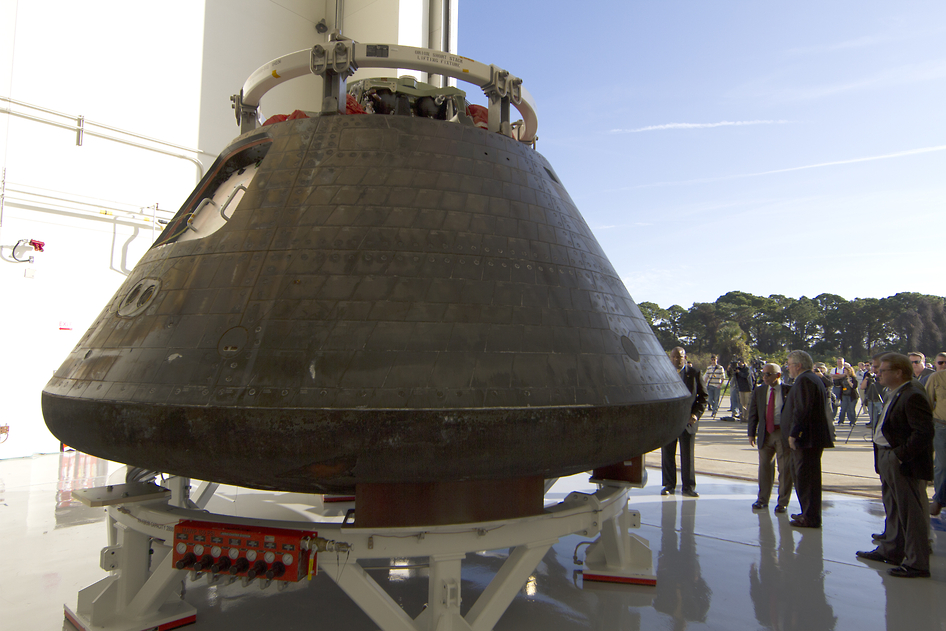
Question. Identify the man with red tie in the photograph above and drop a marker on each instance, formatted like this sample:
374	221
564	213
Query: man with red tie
766	433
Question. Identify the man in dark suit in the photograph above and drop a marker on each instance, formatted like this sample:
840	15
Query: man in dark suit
804	412
903	456
765	431
668	453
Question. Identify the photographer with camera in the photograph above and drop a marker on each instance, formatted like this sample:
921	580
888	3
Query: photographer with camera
836	374
849	398
742	379
873	390
755	371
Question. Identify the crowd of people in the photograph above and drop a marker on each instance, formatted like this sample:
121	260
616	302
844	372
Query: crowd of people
790	413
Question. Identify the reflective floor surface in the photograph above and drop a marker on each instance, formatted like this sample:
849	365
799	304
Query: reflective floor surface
719	565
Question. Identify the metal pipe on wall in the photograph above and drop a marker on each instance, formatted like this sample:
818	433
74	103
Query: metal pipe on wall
81	125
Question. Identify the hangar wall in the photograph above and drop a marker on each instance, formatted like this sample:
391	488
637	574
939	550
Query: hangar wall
164	71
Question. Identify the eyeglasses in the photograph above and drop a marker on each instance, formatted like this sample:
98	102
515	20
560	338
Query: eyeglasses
775	374
940	363
916	361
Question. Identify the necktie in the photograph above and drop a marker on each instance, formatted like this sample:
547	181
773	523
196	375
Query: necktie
770	412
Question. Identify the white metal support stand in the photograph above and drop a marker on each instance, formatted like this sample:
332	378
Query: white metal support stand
619	556
143	594
132	598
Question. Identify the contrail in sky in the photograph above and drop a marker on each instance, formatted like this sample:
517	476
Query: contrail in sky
898	154
696	126
886	156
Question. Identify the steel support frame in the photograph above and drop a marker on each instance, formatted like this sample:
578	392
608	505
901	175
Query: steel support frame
337	59
618	556
132	598
135	597
444	596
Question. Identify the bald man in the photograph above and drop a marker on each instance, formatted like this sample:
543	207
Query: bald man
765	431
668	453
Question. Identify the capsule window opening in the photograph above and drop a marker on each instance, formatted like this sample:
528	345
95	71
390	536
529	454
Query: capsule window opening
131	296
219	193
145	296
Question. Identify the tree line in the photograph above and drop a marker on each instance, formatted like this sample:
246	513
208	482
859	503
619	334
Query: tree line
741	325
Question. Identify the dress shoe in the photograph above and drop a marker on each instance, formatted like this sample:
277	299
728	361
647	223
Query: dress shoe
801	522
667	490
797	516
690	493
874	555
759	505
781	509
905	571
935	508
878	535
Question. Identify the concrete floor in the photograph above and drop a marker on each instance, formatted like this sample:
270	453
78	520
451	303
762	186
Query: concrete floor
722	448
719	565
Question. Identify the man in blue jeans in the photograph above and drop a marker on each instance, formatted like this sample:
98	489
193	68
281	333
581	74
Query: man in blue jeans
714	377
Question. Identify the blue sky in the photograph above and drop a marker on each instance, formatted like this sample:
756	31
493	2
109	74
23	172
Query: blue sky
791	148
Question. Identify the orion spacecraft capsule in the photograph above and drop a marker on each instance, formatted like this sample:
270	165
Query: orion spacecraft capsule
371	299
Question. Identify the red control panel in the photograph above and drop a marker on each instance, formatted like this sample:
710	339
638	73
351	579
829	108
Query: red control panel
264	553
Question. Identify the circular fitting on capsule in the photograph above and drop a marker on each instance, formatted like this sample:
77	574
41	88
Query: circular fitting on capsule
139	298
232	341
630	348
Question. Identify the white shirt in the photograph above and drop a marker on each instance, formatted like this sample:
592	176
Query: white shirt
714	376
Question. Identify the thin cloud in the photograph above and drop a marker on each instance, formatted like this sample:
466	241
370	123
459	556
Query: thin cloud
622	225
771	88
697	126
867	41
886	156
860	42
